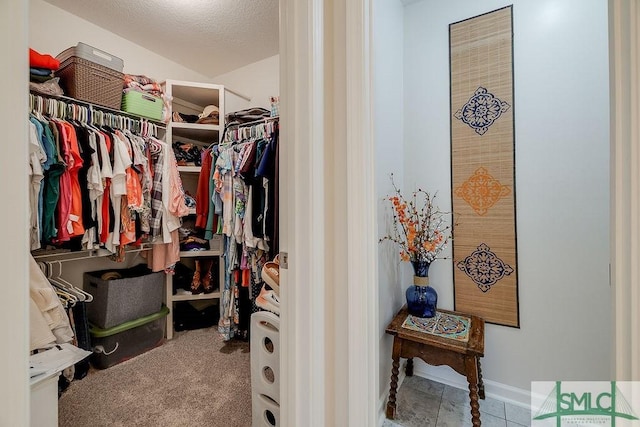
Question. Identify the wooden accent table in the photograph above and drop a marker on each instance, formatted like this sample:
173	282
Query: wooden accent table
463	357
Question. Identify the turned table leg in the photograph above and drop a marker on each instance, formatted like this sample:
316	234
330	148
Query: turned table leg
480	382
395	370
408	370
472	377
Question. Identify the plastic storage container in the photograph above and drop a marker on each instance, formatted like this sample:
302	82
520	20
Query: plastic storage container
92	75
123	342
123	295
142	104
90	53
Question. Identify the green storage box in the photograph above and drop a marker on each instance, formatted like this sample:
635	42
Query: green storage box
142	104
127	340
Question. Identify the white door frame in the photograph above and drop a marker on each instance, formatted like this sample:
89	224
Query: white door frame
624	46
302	329
329	358
14	250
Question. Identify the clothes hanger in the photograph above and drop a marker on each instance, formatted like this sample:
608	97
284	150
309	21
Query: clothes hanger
44	268
87	297
62	292
63	297
67	298
80	294
154	147
38	107
58	284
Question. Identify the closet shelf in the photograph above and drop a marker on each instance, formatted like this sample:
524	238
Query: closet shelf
190	297
194	92
199	254
195	131
61	255
189	169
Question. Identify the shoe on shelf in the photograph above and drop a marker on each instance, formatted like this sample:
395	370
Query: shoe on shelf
271	275
175	117
196	283
267	300
207	277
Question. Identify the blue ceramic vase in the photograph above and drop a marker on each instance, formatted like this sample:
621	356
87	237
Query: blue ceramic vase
422	299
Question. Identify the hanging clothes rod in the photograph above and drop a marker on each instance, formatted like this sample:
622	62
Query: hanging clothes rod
248	98
62	107
97	107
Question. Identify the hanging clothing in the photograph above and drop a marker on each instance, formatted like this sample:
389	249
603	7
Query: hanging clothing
170	206
45	301
213	213
75	226
91	187
244	179
202	191
37	157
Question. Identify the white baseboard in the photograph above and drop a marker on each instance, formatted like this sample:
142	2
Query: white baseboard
493	389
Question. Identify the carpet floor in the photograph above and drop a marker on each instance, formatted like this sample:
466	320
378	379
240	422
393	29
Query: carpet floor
195	379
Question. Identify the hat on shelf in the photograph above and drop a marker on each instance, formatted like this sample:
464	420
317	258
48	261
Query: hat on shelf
210	115
209	111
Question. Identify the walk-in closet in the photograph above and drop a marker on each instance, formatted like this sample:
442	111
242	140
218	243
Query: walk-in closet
154	212
366	92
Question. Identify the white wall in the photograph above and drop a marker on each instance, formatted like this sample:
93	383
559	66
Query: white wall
14	304
562	179
388	134
52	30
258	81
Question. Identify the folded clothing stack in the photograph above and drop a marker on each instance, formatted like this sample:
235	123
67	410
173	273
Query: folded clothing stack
247	115
210	115
142	84
191	240
41	73
194	243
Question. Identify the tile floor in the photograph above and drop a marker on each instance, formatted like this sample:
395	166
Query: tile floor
425	403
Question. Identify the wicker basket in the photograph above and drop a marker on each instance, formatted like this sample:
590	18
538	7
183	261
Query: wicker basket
91	82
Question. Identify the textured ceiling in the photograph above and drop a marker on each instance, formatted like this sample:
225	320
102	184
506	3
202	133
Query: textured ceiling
211	37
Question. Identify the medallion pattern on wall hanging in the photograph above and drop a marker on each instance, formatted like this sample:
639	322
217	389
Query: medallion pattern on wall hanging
483	178
481	191
482	110
484	267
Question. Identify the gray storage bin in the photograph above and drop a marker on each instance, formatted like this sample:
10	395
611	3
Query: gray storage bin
137	293
90	53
